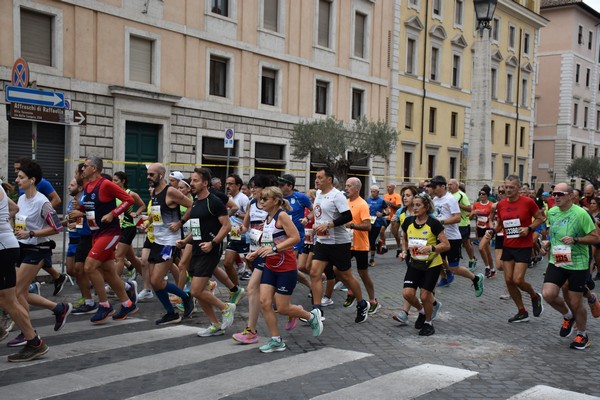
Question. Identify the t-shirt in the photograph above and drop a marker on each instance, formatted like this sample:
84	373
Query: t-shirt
576	223
328	207
242	202
423	235
376	205
444	207
360	213
299	202
482	218
204	220
514	215
394	199
463	200
33	215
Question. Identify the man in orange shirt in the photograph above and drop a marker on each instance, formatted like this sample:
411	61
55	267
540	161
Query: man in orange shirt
359	234
394	202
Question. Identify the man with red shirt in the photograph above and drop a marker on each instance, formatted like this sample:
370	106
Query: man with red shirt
515	214
102	215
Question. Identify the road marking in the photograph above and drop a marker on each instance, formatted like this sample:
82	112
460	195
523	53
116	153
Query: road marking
46	331
105	374
242	379
541	392
90	346
405	384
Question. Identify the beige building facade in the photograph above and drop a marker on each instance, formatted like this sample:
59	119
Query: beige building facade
568	112
163	80
433	90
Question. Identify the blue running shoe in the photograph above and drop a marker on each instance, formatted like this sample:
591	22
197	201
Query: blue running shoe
443	283
125	312
450	277
102	314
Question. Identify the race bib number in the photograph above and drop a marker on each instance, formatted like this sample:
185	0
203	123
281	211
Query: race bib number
373	219
413	245
267	239
79	223
255	235
309	237
91	219
235	233
20	222
511	228
195	229
482	222
562	255
156	215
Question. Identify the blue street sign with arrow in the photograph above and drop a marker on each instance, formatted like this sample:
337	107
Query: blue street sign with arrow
34	96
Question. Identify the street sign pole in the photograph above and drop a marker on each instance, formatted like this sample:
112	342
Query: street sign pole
227	169
228	143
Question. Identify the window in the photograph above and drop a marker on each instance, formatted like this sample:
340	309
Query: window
458	12
322	90
36	37
453	164
435	53
507	134
140	59
597	120
493	127
408	118
587	77
357	103
585	117
526	38
575	112
580	35
521	171
215	154
411	55
437	8
413	2
453	124
268	87
583	151
522	137
269	158
324	21
496	29
407	165
432	116
596	152
220	7
506	168
431	165
577	72
590	39
360	21
525	88
456	64
494	88
270	11
218	77
509	87
512	36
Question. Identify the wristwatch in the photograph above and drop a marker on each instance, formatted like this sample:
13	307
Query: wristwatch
274	248
214	244
31	234
351	226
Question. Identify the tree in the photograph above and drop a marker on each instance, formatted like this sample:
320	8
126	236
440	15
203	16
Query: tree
586	168
330	142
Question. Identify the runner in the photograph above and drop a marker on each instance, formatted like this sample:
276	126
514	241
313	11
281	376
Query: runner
34	347
424	239
333	242
280	274
514	215
464	226
481	211
209	225
236	243
571	231
377	211
393	201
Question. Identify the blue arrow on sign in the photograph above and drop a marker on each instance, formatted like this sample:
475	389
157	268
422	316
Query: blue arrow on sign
15	94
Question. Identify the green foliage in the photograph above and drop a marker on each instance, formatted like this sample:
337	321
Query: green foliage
328	141
586	168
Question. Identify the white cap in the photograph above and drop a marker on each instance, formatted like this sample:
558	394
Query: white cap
176	174
375	187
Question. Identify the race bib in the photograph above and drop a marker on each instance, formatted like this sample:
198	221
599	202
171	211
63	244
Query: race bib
482	222
267	239
413	245
91	219
156	215
373	219
562	255
309	237
79	223
325	233
235	233
195	229
20	222
511	228
255	235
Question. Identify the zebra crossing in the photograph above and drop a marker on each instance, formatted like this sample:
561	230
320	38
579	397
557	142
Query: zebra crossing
132	359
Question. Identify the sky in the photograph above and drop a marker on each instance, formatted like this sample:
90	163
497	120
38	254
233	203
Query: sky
595	4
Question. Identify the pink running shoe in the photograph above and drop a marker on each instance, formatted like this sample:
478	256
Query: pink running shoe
246	337
291	323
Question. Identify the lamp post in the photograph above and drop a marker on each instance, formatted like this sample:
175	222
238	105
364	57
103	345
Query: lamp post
479	164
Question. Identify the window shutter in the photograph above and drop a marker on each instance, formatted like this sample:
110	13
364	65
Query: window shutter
270	15
324	11
140	59
36	37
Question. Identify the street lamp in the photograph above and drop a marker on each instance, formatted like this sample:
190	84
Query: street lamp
479	160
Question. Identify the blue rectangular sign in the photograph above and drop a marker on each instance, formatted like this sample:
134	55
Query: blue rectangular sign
35	97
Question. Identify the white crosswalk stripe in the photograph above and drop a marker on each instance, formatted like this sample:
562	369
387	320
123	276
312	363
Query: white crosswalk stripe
541	392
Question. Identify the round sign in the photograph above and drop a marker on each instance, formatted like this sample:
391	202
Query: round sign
229	133
20	73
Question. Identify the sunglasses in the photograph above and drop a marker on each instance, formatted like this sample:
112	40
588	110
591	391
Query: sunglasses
501	192
150	174
483	194
264	198
559	194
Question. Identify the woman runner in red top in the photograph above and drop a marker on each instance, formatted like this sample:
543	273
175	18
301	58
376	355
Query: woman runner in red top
482	212
281	273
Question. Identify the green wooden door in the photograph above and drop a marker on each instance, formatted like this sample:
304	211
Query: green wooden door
141	147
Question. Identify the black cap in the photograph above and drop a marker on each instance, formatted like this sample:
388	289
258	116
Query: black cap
287	178
438	180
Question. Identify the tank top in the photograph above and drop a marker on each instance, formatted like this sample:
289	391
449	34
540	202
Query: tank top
96	209
285	260
162	216
125	219
257	219
7	237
